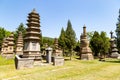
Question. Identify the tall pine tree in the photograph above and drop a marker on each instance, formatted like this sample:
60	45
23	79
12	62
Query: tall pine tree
70	38
61	40
118	32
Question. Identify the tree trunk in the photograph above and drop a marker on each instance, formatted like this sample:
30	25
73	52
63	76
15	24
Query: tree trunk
70	54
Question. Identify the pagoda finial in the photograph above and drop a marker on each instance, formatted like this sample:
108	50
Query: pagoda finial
84	29
84	26
34	11
111	34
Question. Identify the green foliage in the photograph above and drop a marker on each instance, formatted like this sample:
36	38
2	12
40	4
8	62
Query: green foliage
70	38
95	43
3	33
105	43
90	35
99	43
4	61
48	40
118	32
77	48
61	40
21	28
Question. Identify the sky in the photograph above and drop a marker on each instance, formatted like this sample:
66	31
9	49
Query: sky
97	15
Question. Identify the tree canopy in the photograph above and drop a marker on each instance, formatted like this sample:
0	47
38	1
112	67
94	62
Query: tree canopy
3	33
61	40
21	28
99	43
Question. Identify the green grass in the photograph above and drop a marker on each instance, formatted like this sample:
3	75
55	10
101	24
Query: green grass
4	61
72	70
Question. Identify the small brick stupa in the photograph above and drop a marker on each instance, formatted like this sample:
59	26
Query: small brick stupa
10	51
32	37
57	51
19	44
85	51
3	46
58	59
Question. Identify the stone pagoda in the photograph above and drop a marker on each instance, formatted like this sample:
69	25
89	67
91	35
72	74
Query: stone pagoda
8	47
19	44
32	37
3	46
113	47
10	52
85	51
58	59
57	51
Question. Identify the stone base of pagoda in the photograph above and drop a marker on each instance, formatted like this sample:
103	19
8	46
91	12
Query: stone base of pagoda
57	53
58	61
87	56
21	63
8	55
114	55
34	55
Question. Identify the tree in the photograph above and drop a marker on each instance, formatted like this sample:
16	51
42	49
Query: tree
61	40
90	35
105	44
70	38
21	28
118	32
95	43
47	40
77	48
100	44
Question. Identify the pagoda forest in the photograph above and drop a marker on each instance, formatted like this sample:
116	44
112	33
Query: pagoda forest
99	42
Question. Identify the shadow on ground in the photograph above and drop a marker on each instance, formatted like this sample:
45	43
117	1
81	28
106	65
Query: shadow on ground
113	61
78	58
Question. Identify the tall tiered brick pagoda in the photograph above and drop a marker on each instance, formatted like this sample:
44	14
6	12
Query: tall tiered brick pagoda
32	37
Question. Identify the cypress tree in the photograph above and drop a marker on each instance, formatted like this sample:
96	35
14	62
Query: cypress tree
61	40
70	38
118	31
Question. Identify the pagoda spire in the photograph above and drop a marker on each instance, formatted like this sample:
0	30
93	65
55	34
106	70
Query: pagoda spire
19	44
34	10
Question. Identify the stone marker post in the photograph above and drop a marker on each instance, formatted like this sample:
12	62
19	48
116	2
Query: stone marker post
48	54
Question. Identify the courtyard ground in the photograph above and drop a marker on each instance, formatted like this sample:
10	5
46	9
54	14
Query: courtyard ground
72	70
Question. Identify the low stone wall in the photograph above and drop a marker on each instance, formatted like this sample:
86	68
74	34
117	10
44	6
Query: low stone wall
58	61
21	63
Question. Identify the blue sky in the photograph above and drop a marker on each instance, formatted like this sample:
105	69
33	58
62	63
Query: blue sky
97	15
